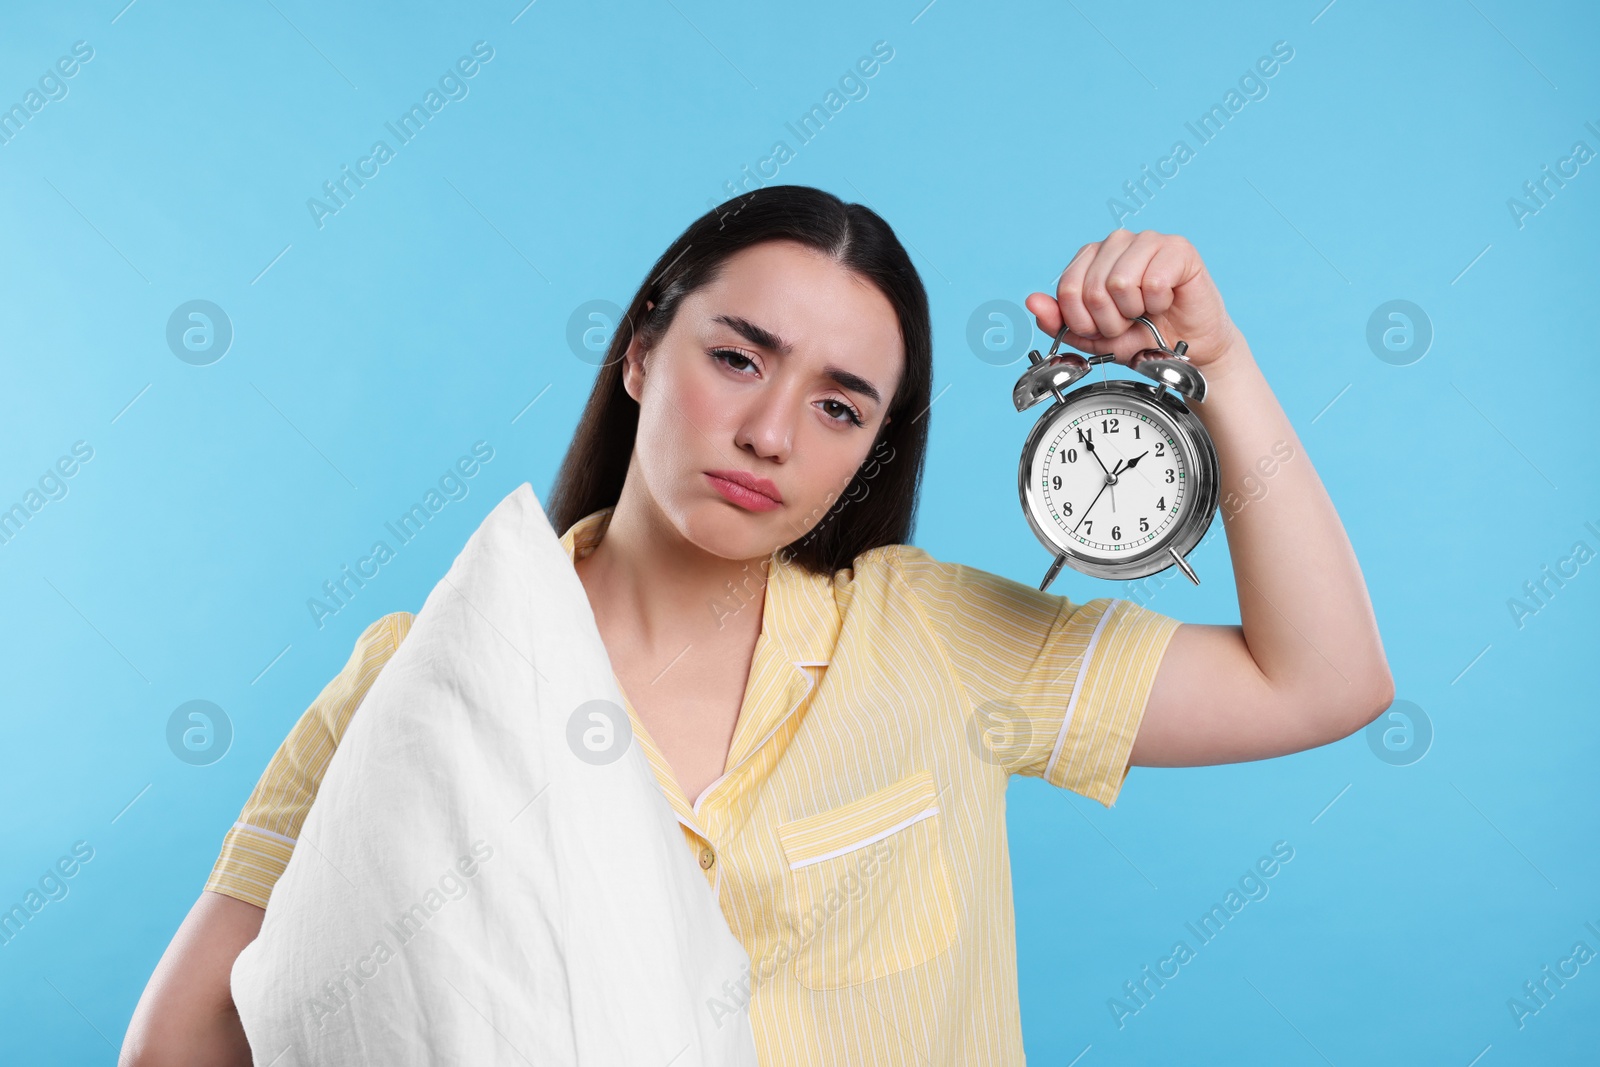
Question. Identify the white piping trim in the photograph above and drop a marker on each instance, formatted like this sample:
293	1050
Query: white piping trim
696	827
798	664
880	835
1077	686
695	806
263	833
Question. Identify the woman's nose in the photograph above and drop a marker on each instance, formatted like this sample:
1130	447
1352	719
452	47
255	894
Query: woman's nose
768	427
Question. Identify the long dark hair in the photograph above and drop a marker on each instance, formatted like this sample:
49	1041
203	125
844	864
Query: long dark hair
879	506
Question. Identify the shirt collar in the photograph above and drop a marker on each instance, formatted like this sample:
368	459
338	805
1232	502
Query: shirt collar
801	612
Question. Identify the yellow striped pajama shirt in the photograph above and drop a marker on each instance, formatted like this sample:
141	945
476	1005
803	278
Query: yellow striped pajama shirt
856	840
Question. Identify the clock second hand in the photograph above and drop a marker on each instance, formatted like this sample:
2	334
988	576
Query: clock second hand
1125	470
1111	476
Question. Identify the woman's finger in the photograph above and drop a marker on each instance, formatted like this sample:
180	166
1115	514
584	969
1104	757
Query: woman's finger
1174	263
1069	292
1108	321
1046	312
1128	282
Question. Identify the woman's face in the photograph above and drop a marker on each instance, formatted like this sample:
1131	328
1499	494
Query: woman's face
721	392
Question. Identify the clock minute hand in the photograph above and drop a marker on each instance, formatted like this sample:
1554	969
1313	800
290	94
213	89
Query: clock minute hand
1088	443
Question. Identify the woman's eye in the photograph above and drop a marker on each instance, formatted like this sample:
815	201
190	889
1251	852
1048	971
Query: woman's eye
727	355
850	413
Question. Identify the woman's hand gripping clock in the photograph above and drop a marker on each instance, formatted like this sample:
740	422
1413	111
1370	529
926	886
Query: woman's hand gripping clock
1111	282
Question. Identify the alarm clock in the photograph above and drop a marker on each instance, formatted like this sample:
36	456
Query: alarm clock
1118	479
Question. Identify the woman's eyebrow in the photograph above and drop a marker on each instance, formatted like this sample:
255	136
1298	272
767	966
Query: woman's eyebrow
759	336
762	337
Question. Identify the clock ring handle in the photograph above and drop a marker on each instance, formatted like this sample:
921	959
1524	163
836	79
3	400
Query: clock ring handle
1051	374
1183	346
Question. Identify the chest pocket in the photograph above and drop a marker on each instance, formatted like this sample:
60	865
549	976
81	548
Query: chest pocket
874	896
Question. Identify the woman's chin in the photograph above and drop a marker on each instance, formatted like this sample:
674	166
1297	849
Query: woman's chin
732	532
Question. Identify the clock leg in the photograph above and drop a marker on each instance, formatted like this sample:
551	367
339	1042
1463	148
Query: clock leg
1183	564
1050	575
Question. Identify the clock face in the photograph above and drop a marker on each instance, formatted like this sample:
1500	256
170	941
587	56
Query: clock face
1109	479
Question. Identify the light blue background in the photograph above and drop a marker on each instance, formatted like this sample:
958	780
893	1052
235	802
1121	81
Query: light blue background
371	353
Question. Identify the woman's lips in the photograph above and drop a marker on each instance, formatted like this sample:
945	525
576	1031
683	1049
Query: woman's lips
748	499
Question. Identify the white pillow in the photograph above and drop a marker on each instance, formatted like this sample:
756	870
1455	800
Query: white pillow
475	884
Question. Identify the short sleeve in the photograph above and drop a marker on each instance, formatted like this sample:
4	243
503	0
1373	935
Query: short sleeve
1058	689
256	849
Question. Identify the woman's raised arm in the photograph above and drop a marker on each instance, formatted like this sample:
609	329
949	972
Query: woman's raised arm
1307	666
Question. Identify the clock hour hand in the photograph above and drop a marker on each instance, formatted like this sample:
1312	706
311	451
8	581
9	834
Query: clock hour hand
1125	470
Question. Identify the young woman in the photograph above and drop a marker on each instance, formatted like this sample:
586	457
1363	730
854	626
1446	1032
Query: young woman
831	712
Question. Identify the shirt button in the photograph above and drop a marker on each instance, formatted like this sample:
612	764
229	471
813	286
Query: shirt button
707	858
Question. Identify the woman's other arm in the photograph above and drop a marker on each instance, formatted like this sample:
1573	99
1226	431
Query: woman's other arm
1306	666
186	1016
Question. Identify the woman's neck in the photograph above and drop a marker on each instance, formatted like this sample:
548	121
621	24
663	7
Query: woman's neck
647	582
